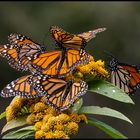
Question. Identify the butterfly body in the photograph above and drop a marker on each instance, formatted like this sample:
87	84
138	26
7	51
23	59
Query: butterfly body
58	63
59	93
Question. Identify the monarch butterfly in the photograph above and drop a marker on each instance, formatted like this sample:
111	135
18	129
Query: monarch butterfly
10	51
125	76
58	63
64	39
59	93
20	87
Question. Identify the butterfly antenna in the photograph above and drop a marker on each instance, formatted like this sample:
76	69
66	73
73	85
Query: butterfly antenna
109	54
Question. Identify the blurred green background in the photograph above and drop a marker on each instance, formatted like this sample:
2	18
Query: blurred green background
122	39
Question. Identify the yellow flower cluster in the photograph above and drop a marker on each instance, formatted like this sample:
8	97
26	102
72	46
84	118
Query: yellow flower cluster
48	123
92	69
13	110
51	124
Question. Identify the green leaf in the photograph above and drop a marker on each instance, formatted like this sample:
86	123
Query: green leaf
77	106
103	111
108	89
22	133
14	123
106	128
2	115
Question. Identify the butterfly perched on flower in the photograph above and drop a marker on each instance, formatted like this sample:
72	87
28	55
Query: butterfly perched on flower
125	76
64	39
59	93
10	51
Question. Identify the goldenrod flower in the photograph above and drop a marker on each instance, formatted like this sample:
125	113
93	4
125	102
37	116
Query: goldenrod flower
47	127
52	121
83	118
46	117
32	101
71	128
10	114
59	126
92	69
51	110
17	103
60	135
48	123
38	125
39	134
12	111
39	116
74	118
56	135
49	135
31	119
43	99
39	107
62	118
31	108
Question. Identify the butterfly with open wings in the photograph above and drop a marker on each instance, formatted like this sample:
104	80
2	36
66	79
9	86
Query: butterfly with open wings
59	93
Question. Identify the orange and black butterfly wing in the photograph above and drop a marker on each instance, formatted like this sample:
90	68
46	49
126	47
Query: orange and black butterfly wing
126	77
28	52
134	71
67	40
72	59
121	78
59	63
20	87
19	39
60	94
27	49
91	34
9	52
46	63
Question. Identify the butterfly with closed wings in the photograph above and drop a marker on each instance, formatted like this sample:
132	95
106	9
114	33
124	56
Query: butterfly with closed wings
125	76
64	39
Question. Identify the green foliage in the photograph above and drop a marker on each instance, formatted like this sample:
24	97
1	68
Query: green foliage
2	115
26	132
77	106
20	121
99	86
109	90
106	128
103	111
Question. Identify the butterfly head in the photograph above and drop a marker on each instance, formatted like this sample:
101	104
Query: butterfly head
113	64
